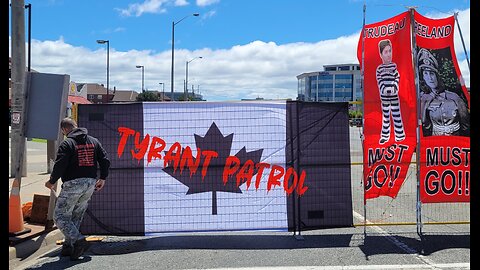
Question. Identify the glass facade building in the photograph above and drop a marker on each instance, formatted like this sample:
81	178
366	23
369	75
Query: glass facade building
335	83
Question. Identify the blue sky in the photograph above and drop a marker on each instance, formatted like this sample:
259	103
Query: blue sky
250	48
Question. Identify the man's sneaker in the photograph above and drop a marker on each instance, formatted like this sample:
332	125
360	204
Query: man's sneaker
66	250
79	248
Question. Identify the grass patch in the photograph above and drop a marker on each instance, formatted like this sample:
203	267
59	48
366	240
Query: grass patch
39	140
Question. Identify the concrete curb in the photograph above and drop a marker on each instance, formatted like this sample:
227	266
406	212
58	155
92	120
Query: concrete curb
28	247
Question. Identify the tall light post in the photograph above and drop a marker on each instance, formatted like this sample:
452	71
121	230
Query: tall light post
101	41
163	90
186	76
143	74
29	6
173	49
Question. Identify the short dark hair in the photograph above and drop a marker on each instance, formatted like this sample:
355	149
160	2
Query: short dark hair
384	43
68	123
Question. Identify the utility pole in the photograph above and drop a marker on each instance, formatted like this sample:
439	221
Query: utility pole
29	7
15	215
18	154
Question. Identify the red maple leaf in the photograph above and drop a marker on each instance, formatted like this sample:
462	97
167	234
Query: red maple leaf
212	182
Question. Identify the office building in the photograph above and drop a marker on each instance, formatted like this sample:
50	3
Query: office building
334	83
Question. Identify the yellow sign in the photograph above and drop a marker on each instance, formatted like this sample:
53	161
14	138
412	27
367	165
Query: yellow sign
75	112
72	89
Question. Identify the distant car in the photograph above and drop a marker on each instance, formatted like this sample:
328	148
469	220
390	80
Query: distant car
356	122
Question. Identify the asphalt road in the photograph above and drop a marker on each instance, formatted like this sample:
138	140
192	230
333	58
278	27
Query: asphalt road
343	248
444	245
36	156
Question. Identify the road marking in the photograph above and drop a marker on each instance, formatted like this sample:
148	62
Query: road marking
355	267
429	263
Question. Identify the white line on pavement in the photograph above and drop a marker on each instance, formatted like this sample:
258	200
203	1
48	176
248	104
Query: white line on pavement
398	243
358	267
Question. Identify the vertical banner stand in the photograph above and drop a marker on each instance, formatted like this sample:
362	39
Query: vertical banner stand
298	229
362	137
419	123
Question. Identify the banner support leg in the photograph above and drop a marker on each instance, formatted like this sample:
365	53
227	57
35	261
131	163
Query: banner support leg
298	236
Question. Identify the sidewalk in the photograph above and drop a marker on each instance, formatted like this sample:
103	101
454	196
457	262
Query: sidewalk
22	246
25	245
46	240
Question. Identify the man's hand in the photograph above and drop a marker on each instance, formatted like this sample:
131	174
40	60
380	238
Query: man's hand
99	185
49	185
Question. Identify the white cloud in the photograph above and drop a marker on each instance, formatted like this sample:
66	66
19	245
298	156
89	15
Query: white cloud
464	22
148	6
203	3
257	69
157	6
209	14
119	29
109	30
181	3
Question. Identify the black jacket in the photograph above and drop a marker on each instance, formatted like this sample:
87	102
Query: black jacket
78	156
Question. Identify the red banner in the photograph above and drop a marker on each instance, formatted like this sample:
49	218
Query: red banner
389	105
445	114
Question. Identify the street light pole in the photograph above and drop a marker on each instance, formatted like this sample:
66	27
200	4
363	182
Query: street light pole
173	51
186	77
163	90
29	6
101	41
143	72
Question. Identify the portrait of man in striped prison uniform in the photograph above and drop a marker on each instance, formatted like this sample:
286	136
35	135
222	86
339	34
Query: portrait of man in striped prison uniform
388	80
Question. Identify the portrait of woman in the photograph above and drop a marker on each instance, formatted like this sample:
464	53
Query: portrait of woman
444	112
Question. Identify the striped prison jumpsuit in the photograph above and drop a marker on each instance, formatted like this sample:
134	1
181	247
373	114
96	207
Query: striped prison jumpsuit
388	84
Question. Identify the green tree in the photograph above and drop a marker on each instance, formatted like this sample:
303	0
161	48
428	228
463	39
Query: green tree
189	97
181	98
148	96
448	75
446	71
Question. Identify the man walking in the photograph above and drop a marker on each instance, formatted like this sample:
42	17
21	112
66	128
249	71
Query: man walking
76	163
